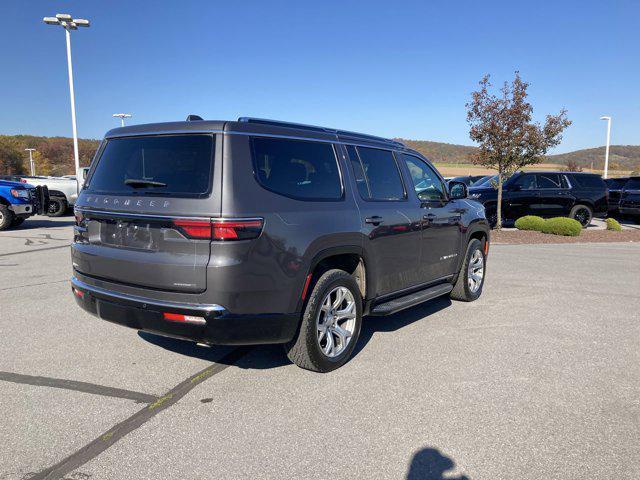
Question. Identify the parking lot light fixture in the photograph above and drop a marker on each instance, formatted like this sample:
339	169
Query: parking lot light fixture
606	153
69	23
31	165
122	116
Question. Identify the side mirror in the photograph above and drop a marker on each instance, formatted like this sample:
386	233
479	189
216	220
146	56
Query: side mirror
458	190
83	173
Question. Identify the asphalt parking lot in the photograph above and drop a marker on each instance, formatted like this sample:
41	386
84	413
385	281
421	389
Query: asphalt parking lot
538	379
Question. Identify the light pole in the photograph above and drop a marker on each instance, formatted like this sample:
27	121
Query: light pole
122	116
68	23
606	153
31	165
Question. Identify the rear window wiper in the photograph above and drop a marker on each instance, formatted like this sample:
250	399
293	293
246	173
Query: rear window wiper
141	182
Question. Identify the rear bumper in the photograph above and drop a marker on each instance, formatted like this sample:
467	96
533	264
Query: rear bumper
220	328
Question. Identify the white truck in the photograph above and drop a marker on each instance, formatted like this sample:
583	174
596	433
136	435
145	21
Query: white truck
62	192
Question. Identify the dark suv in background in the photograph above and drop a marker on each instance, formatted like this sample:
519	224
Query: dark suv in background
259	231
630	199
546	194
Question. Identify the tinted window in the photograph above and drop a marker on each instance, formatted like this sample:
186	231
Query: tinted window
425	181
358	172
589	181
526	182
299	169
615	183
178	165
381	173
633	184
548	180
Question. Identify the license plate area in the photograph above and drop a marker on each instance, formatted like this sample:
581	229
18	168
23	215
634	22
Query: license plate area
122	233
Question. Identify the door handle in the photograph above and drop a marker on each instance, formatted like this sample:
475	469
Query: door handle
374	220
428	216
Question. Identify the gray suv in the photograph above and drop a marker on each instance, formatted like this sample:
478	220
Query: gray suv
258	231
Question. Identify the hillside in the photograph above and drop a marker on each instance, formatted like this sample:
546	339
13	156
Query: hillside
621	157
441	152
54	155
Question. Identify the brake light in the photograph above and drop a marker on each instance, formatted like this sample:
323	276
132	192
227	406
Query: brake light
236	229
78	293
178	317
194	228
22	180
220	229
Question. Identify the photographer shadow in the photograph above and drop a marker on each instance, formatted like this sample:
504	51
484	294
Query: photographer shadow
430	464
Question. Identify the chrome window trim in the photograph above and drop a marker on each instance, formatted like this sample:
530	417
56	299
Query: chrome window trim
163	217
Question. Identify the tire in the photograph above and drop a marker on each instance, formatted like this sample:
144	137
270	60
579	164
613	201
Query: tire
583	214
461	289
57	207
309	349
6	217
17	221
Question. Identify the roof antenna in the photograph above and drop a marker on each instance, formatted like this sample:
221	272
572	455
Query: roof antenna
194	118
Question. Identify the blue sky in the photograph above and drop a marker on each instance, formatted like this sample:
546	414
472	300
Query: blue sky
388	68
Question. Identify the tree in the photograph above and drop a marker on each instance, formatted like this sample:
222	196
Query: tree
508	138
572	166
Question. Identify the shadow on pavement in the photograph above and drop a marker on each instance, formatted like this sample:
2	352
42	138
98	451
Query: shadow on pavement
272	356
430	464
44	222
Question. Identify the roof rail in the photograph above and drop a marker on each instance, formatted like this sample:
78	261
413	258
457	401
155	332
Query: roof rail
313	128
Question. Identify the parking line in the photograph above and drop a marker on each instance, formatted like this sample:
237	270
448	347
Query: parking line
85	387
104	441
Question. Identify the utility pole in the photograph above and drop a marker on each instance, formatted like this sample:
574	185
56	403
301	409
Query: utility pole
606	154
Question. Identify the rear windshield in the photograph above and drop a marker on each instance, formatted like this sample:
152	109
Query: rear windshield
633	184
171	165
589	181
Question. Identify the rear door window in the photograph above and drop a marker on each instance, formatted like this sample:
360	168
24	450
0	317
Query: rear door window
296	168
169	165
548	180
380	170
526	182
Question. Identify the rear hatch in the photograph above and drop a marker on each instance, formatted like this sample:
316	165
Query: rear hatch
144	217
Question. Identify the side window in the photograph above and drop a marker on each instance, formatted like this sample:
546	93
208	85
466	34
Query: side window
425	181
296	168
526	182
358	171
379	169
548	180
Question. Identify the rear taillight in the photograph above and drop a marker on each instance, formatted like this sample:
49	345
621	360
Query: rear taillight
178	317
236	229
220	229
79	217
200	229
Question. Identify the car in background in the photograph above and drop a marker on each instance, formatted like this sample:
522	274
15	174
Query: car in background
547	194
630	199
468	180
615	186
19	201
63	192
486	181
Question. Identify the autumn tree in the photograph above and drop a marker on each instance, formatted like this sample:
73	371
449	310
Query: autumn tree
573	166
508	138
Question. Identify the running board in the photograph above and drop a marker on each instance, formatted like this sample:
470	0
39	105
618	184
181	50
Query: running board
397	304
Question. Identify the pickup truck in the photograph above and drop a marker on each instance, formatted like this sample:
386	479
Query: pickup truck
62	192
19	201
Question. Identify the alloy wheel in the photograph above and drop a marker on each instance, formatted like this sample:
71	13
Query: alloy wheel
336	321
475	271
